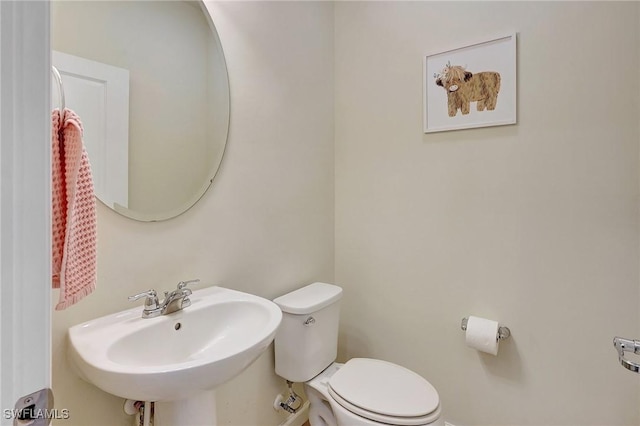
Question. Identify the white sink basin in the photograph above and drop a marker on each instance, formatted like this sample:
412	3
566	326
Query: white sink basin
174	356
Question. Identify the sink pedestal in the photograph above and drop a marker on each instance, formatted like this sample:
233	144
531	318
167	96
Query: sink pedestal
197	410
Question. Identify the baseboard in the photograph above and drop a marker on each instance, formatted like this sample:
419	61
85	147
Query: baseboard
300	417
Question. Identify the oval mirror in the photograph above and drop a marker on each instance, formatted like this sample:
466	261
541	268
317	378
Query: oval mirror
149	82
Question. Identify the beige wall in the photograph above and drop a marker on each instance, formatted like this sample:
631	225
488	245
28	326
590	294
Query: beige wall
535	225
266	225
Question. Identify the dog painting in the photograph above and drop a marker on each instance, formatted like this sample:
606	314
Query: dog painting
464	87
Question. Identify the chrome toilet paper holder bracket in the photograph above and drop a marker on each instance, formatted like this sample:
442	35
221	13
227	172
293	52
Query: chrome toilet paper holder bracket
623	345
503	332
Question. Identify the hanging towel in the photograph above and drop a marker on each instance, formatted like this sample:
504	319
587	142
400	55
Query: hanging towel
73	211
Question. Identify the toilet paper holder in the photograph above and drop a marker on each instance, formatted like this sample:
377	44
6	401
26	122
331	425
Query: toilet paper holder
503	332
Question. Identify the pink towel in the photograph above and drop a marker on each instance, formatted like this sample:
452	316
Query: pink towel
73	211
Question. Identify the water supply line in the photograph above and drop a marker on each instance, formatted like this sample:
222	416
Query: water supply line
147	413
143	412
292	404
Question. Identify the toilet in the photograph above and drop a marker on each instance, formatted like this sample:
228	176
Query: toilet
362	391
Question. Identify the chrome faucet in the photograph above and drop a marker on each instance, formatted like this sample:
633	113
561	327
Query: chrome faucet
173	301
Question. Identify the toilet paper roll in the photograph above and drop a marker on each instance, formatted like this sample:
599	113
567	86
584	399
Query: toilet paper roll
482	334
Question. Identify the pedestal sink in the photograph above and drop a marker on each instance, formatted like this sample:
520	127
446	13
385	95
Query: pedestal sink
178	358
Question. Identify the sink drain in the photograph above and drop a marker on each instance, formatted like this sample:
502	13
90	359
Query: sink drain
178	326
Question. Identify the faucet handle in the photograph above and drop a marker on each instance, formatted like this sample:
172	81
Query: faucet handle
183	284
152	298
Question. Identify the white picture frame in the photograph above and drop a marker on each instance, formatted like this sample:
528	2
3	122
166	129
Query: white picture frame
477	86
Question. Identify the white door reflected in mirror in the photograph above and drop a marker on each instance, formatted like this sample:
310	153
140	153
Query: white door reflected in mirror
99	94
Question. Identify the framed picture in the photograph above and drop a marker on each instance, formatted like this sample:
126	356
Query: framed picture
472	86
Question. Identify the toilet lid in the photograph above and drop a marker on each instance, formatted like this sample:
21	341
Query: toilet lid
384	388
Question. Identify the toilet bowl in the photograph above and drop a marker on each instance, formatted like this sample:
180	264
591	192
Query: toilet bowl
367	391
362	391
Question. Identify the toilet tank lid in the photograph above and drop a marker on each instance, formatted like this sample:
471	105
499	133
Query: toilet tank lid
309	299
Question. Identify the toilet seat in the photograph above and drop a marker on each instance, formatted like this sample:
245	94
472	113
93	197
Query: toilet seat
385	392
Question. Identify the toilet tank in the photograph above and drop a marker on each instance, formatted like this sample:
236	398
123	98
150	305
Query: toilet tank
307	340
